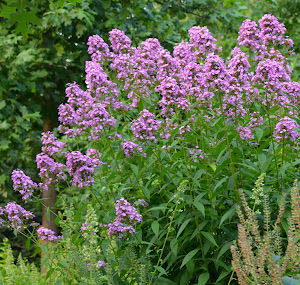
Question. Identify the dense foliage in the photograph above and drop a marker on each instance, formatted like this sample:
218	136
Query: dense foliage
153	154
43	47
38	54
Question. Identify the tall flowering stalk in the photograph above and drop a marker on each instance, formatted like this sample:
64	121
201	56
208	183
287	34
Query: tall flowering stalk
258	257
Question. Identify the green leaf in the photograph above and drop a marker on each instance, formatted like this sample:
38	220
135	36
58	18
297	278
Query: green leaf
182	227
259	134
44	248
213	166
63	264
50	271
203	278
228	215
4	125
174	246
48	214
222	275
188	257
200	207
2	104
158	208
224	248
146	192
162	271
220	182
209	237
135	170
27	243
221	158
155	227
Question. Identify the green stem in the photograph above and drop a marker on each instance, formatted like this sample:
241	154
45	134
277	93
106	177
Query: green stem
229	150
165	241
283	152
231	277
193	198
273	146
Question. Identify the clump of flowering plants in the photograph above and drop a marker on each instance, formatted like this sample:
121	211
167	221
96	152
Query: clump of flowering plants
150	121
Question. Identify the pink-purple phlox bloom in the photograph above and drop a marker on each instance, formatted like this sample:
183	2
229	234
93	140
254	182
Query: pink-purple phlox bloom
23	184
47	234
81	167
50	170
130	148
17	216
145	126
285	130
50	144
245	133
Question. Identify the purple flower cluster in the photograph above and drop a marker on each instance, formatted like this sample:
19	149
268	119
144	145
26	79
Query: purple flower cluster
256	120
272	31
83	228
173	96
50	170
285	130
125	211
81	167
47	234
120	43
130	148
100	88
215	72
249	35
100	264
86	111
142	203
119	229
98	49
125	214
194	73
271	73
145	126
197	153
1	220
23	184
202	40
16	216
245	133
183	53
238	67
50	144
